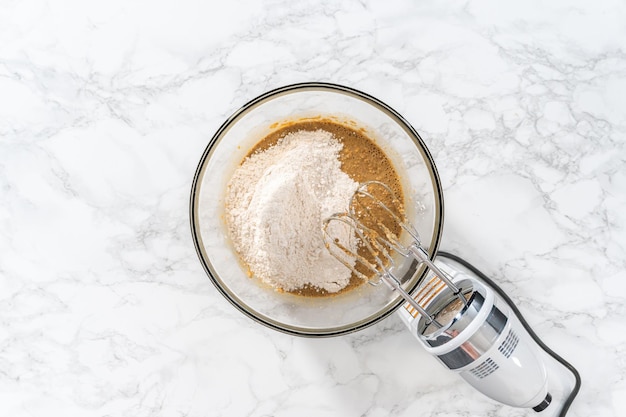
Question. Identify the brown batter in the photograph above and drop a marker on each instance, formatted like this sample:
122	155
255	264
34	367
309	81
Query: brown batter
362	160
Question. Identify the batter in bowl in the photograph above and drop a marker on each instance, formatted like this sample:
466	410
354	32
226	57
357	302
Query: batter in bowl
291	180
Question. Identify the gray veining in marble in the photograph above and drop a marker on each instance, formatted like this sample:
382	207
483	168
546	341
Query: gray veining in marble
106	107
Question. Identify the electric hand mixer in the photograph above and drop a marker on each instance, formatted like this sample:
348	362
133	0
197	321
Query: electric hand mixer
457	313
457	317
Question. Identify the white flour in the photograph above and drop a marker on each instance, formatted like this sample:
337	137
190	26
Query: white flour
275	204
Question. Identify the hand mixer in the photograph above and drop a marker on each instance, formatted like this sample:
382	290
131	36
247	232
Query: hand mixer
459	315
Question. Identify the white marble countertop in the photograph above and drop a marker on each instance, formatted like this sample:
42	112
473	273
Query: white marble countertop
106	107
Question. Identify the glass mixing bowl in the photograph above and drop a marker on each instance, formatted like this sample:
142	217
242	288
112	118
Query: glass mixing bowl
294	314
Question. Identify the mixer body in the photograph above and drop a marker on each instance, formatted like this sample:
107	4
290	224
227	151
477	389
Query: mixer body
483	340
511	372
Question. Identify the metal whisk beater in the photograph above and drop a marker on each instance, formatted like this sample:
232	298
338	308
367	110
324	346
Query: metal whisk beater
376	219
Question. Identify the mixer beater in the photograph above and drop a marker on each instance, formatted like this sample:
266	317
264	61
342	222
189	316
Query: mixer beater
377	241
459	315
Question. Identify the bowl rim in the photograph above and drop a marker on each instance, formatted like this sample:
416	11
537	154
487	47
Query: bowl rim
195	186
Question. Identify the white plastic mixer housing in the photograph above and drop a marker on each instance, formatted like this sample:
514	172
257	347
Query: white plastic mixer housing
483	340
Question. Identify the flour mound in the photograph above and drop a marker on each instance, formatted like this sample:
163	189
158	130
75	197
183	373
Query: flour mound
275	204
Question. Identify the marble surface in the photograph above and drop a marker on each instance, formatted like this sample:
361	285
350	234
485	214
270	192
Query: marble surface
106	107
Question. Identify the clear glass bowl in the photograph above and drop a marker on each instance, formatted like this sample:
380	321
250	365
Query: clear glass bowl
298	315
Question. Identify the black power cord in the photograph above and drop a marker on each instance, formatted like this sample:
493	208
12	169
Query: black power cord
530	331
